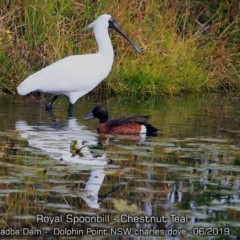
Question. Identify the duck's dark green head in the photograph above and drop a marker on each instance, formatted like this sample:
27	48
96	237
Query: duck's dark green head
98	112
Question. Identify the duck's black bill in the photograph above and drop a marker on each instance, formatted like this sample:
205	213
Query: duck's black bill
113	24
90	116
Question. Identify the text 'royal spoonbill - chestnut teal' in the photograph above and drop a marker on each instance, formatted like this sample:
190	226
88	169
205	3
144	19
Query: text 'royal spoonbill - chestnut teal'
76	75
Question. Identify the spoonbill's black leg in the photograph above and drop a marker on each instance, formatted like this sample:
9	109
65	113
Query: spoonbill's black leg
51	115
49	104
70	108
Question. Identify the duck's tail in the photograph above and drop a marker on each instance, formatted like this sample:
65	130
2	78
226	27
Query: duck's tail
151	130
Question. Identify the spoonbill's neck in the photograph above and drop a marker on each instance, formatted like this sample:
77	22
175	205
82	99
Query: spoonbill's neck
104	44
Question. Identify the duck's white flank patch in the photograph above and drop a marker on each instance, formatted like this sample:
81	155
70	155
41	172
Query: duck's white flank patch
143	129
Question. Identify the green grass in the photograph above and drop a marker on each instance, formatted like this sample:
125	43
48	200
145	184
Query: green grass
186	46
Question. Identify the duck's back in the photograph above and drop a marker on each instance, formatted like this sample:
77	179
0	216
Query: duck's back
128	120
126	125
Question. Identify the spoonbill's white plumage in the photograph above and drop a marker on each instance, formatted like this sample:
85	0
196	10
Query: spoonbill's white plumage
76	75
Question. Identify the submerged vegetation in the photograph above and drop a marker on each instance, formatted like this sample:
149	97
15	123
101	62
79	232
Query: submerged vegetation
187	46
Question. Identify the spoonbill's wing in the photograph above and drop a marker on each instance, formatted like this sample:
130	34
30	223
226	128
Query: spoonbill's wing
72	74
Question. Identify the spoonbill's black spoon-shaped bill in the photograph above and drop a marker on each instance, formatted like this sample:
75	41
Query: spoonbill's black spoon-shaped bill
76	75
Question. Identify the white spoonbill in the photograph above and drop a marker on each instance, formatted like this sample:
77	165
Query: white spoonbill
76	75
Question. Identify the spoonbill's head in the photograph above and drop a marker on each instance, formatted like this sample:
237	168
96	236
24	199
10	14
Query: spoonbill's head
107	21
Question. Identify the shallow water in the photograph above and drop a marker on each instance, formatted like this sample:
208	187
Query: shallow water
182	184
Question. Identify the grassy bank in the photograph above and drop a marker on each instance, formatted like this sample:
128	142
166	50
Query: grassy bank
187	46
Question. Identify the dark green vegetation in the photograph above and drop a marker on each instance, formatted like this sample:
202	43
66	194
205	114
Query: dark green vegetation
188	46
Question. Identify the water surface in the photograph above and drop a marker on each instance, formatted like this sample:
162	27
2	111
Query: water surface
181	184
